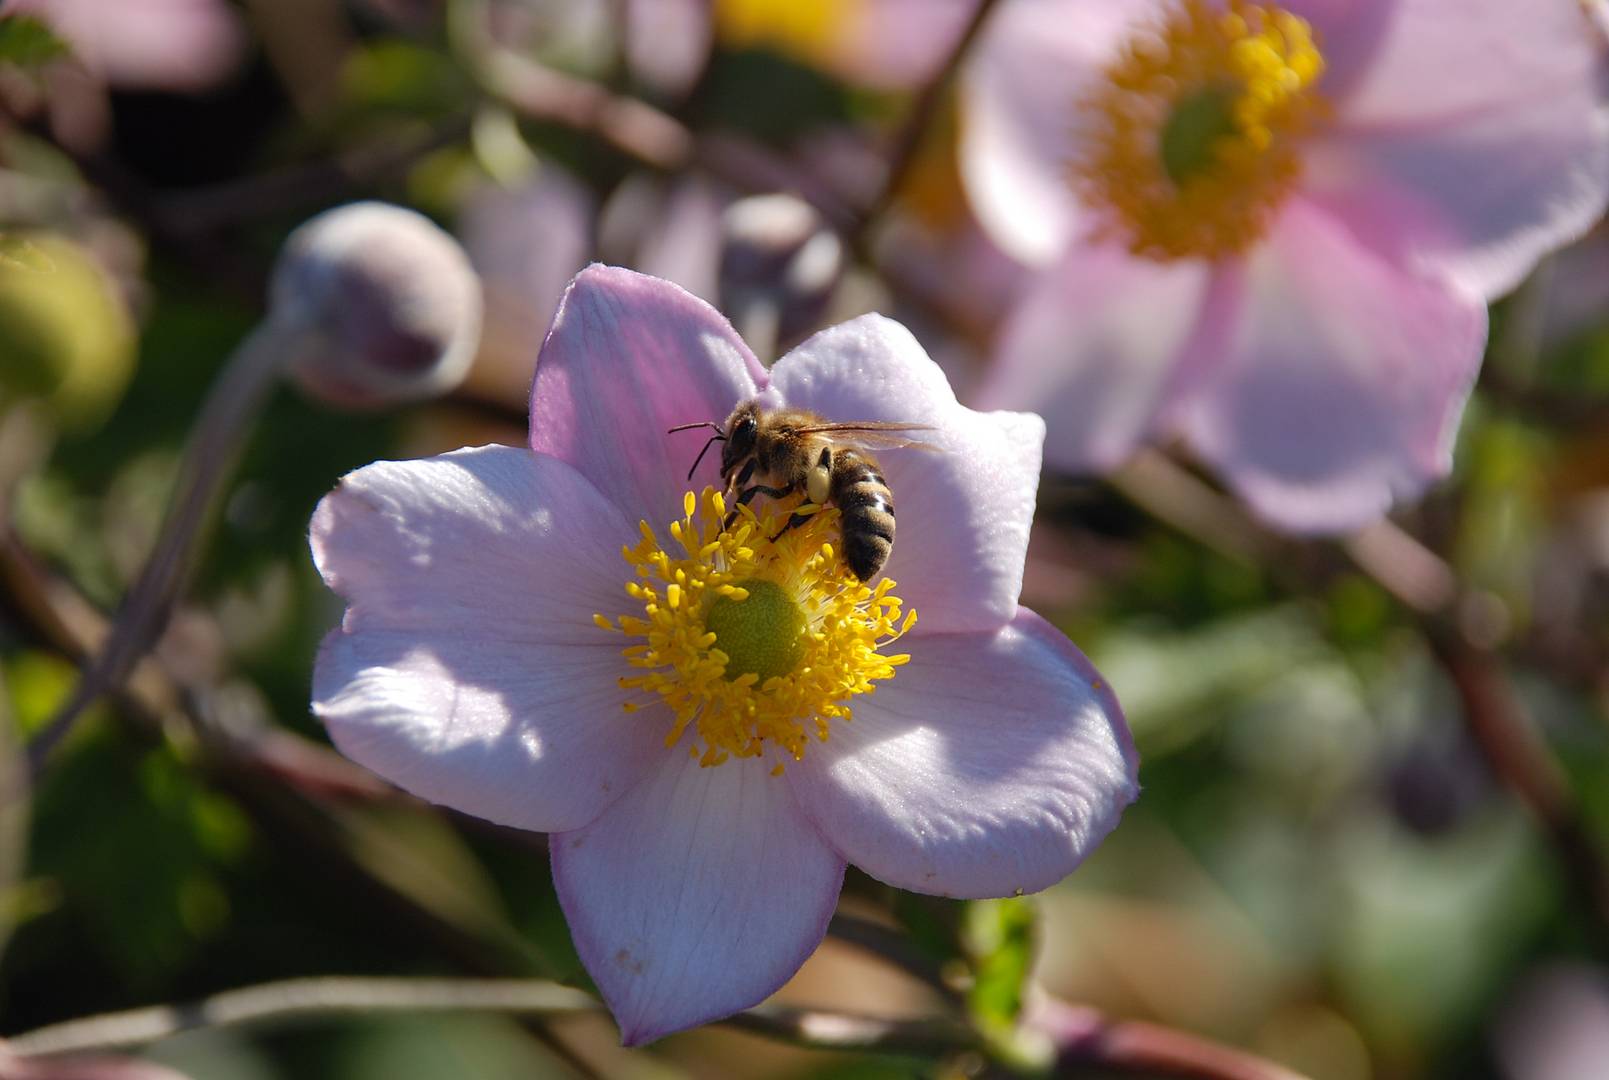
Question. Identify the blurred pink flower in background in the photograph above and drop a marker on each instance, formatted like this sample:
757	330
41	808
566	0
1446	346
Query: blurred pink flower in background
479	663
174	46
180	45
1273	230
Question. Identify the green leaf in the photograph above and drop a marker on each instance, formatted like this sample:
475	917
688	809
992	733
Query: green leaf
1000	936
27	42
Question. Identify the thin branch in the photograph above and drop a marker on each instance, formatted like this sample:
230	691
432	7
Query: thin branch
327	996
913	130
1081	1037
1507	736
291	999
1088	1041
1173	495
206	209
894	948
819	1029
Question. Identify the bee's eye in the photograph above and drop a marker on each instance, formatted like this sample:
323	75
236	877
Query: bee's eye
745	427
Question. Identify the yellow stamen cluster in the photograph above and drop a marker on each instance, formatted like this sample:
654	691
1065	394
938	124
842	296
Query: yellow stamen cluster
752	636
1193	133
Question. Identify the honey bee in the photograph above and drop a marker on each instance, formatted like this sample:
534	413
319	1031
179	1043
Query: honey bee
778	452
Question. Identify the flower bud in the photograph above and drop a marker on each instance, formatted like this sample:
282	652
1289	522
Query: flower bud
778	263
382	305
66	335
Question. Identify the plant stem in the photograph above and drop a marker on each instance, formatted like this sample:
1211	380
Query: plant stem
914	128
220	431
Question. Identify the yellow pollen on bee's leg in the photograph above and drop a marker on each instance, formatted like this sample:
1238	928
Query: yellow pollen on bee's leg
753	638
1193	137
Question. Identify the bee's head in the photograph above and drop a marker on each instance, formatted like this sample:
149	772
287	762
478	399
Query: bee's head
740	429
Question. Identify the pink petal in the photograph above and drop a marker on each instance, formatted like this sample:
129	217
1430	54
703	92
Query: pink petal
1101	345
1477	141
1349	32
964	511
1343	382
696	895
468	669
628	357
493	539
991	764
1030	68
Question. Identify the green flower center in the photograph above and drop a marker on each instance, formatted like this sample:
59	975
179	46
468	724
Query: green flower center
762	634
1194	130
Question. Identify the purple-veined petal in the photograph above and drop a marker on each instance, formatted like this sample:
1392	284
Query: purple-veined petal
527	736
1478	140
493	540
1101	345
468	669
1033	63
964	511
696	895
1343	381
991	764
628	357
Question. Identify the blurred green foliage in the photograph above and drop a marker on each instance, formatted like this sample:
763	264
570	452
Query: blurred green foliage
28	42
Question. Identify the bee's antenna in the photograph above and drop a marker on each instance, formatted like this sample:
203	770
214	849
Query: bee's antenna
711	441
712	425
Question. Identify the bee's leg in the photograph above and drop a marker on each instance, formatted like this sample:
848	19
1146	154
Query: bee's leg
793	522
749	493
818	483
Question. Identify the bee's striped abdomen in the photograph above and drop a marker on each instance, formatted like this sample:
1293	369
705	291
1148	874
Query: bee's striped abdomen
867	509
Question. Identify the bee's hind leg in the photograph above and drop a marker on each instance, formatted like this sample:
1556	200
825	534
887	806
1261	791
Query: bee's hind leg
748	494
793	522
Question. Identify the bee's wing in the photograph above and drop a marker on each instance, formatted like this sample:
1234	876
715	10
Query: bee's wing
873	435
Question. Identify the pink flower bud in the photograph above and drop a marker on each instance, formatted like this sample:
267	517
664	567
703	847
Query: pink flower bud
382	305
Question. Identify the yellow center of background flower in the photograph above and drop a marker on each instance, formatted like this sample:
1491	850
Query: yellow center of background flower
1193	133
751	637
807	30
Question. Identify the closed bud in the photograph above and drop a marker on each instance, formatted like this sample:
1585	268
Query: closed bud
380	304
66	335
779	267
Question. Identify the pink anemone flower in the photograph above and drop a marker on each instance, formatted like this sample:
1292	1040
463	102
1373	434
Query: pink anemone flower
566	639
1272	228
